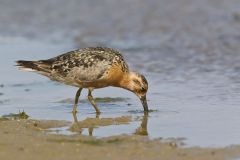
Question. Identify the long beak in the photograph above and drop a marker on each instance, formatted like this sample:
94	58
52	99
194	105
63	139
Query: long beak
144	103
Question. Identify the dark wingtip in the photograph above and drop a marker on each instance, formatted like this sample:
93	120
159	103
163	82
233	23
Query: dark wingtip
18	62
26	64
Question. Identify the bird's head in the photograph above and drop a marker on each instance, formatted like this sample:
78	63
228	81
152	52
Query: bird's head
138	84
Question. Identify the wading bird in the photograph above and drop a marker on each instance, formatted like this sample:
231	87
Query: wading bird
91	68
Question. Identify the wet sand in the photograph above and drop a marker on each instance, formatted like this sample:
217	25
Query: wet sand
30	139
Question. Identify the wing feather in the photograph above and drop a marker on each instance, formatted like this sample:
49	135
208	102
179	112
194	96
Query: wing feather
86	65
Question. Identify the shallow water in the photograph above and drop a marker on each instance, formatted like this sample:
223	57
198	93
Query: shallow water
190	58
203	108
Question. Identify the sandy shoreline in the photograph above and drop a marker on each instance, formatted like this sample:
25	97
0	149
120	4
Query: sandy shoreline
28	139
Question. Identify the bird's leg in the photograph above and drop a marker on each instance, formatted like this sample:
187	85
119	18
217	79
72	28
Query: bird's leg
76	101
97	115
91	100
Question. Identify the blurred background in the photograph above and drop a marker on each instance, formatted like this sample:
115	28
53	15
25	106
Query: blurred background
188	50
180	24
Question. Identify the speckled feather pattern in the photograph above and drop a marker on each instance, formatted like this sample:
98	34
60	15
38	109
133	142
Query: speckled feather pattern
93	67
84	65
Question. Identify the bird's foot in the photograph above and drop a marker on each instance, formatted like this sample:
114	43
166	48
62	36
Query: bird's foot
74	111
98	114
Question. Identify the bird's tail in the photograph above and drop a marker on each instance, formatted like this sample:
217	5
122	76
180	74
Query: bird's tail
42	67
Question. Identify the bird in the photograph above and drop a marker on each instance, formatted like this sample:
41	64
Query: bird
90	68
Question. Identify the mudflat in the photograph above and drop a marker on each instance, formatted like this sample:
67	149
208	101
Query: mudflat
31	139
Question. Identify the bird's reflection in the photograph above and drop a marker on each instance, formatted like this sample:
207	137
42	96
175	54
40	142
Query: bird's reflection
97	115
142	130
91	123
79	128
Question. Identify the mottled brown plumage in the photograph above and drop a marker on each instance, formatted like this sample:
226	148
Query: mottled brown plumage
93	67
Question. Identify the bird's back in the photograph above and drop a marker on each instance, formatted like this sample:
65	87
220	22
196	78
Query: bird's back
83	65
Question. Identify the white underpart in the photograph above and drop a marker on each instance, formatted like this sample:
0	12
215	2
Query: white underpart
26	69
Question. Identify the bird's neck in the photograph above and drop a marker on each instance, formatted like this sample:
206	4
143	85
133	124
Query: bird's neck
126	81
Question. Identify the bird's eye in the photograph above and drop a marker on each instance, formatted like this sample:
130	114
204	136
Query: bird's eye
143	89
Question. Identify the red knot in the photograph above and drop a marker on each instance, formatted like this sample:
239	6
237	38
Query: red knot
91	68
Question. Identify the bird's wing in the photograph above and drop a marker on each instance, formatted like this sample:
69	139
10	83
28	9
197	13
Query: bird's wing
86	65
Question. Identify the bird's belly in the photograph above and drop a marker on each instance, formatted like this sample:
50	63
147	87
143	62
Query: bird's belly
97	84
77	83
